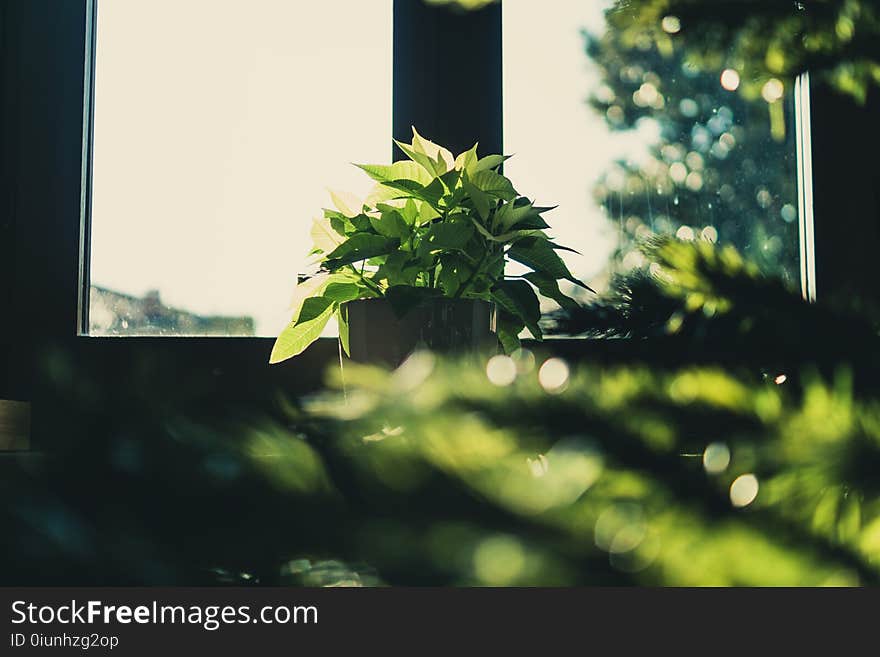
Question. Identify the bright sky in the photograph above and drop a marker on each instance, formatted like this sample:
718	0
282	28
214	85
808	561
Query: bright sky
561	145
220	124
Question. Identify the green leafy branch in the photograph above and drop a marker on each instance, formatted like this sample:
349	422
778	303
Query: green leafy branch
433	225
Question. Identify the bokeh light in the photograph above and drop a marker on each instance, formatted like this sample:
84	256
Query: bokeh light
671	24
553	375
744	490
773	90
716	458
730	79
501	370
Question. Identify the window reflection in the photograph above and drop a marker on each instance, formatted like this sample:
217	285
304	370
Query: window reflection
633	139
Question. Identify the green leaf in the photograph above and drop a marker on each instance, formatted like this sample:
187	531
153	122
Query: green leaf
342	322
510	215
361	223
454	270
504	238
490	162
508	327
549	287
360	246
411	189
446	237
467	160
298	335
482	202
410	212
324	237
311	287
399	269
442	159
348	204
538	254
402	170
533	222
390	224
341	292
518	298
450	179
494	184
381	193
435	159
427	213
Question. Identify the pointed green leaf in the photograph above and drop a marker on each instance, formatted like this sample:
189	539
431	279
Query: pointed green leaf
380	194
360	247
450	179
441	157
403	170
427	213
342	322
549	287
538	254
348	204
341	292
421	159
390	224
482	202
533	222
311	287
430	194
410	212
494	184
510	215
504	238
490	162
454	270
508	327
399	269
324	237
298	335
518	298
446	237
467	160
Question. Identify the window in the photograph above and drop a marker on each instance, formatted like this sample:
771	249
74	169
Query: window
218	125
46	44
630	140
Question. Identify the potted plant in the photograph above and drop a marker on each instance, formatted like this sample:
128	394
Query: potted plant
422	261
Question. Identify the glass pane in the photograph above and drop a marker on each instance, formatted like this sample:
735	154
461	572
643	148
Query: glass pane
630	141
218	125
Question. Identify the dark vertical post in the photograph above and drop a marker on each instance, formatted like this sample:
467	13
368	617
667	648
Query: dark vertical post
41	80
846	193
447	75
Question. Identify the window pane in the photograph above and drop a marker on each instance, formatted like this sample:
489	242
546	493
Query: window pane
218	125
629	141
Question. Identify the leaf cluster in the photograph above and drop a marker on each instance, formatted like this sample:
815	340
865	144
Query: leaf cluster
836	39
433	225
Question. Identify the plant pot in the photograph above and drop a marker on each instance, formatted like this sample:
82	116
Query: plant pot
380	335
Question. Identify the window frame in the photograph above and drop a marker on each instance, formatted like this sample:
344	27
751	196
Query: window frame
46	114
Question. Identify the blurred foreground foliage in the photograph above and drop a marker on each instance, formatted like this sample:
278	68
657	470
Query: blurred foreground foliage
763	39
739	446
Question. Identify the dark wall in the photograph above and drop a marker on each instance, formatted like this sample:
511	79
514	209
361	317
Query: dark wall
459	102
846	167
42	80
7	234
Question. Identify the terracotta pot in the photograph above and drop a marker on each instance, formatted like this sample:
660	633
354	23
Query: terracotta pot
380	335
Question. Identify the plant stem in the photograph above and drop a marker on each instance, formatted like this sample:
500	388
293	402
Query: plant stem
370	284
464	286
